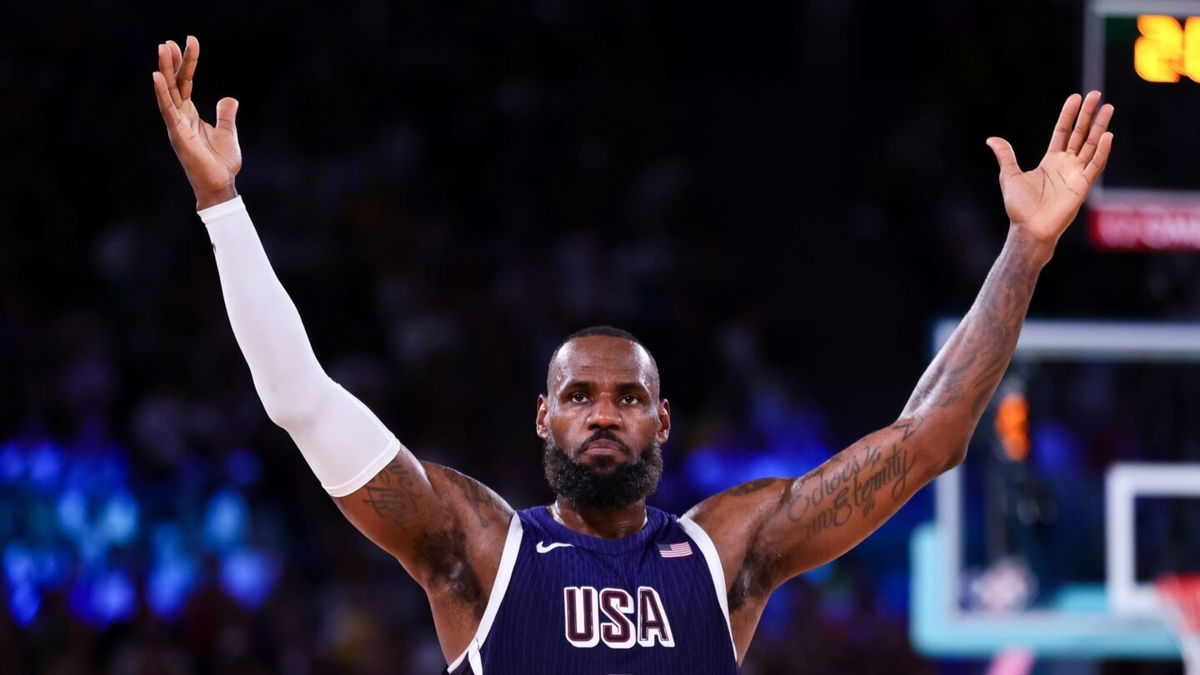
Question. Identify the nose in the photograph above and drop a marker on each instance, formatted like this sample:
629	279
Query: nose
604	415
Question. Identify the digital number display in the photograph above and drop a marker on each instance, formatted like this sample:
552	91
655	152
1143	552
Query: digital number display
1151	73
1167	48
1145	56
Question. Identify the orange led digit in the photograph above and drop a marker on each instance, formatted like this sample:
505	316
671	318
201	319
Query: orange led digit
1191	48
1158	53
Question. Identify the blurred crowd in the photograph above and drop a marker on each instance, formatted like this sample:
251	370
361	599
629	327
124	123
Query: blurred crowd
776	201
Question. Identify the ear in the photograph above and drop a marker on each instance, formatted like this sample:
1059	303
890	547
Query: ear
543	431
664	421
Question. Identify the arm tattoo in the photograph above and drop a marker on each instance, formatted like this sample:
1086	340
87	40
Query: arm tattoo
849	483
475	494
965	373
391	494
910	426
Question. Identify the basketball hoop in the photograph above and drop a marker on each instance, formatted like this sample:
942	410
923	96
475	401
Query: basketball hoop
1180	595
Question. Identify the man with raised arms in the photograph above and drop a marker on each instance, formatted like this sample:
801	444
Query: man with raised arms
598	582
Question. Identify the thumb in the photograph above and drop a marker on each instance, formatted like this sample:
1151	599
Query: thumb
227	114
1005	156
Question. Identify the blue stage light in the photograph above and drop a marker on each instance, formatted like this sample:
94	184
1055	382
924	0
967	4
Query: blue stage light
105	598
706	469
249	576
112	470
821	574
45	466
713	469
1056	448
225	520
168	585
12	463
24	602
51	567
777	615
72	513
118	520
18	564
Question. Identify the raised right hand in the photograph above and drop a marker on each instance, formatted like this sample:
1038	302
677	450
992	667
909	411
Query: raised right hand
210	155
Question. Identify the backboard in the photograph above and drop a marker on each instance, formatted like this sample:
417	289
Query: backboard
1051	543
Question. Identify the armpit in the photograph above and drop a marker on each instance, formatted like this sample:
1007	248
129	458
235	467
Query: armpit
450	571
755	580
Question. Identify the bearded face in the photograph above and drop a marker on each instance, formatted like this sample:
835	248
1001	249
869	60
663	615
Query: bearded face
604	482
603	422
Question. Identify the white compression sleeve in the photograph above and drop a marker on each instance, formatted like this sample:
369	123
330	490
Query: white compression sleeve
343	442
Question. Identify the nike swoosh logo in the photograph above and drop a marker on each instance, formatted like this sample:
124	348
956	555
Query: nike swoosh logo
546	548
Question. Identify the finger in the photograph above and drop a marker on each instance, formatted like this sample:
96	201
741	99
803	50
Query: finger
191	54
1058	140
1090	103
1095	167
165	105
167	68
1098	128
1005	157
176	55
227	114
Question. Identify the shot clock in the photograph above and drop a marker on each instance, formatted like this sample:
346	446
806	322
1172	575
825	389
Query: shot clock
1145	56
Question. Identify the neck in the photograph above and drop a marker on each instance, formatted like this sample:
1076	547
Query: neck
602	523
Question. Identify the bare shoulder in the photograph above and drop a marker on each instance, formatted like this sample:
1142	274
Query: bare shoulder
732	510
733	519
445	528
475	506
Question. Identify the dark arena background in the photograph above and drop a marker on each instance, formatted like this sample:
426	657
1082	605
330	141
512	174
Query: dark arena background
780	202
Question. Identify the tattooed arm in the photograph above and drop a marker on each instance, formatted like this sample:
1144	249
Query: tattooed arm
772	529
445	528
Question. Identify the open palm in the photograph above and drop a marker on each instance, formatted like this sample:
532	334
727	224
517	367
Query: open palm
1045	200
210	154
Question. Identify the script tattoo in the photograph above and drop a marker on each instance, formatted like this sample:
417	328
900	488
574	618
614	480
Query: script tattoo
475	494
830	495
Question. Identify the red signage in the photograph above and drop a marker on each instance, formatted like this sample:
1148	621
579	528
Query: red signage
1145	227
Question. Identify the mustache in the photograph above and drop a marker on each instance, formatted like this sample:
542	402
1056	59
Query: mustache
606	435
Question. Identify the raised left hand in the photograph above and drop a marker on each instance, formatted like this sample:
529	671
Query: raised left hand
1044	200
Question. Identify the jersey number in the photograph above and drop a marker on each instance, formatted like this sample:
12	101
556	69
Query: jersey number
610	615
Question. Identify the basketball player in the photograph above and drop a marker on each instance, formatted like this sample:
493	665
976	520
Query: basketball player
598	582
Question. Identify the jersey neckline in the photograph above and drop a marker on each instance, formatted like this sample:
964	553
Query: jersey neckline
655	520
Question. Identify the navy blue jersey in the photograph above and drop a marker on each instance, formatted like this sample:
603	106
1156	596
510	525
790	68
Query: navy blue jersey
563	602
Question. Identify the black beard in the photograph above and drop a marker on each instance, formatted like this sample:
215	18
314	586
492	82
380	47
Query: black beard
625	485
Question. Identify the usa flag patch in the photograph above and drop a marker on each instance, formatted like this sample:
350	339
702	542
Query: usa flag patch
680	550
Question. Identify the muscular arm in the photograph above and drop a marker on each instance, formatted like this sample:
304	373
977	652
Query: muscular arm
405	507
770	530
446	529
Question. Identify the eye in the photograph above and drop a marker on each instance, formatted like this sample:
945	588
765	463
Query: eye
630	399
578	397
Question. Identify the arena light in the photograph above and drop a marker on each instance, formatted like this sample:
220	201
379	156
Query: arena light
169	583
24	602
1012	425
249	576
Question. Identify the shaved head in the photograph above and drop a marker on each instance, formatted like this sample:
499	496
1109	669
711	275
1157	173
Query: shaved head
634	358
